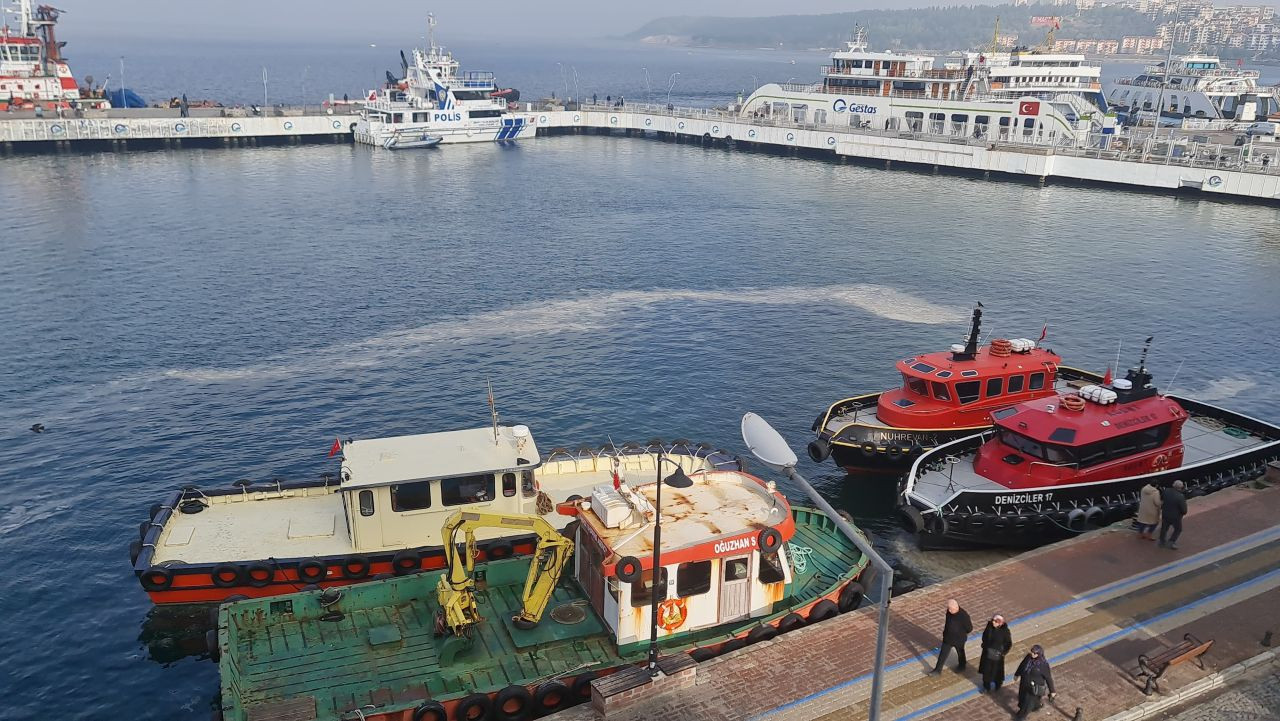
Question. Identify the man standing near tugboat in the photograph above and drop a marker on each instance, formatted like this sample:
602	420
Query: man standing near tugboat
1173	506
955	631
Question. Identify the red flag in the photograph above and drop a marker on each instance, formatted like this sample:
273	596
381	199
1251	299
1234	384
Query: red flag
617	480
336	448
1106	379
1043	332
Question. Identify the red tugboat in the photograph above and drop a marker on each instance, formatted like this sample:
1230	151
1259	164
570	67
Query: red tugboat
1055	467
944	396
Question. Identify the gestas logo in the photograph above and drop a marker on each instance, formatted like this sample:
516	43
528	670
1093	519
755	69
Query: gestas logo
840	105
446	117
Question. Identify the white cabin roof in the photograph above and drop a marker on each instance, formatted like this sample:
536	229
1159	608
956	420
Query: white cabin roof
401	459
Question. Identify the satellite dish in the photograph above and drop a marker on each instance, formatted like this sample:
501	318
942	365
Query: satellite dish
765	443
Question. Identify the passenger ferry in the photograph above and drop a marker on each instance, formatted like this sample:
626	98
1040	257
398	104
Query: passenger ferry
32	70
944	396
738	565
1025	95
1199	87
380	516
434	99
1058	466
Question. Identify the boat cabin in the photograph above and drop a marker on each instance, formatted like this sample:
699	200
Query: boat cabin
724	554
1097	433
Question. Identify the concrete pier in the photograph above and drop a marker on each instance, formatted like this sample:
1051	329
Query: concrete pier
103	132
1094	603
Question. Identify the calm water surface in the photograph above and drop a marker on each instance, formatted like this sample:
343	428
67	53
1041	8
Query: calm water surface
194	317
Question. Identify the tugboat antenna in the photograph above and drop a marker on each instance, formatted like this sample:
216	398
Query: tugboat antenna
1175	376
493	410
1142	360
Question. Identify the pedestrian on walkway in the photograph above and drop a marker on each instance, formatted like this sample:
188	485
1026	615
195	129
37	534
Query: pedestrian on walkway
594	99
1035	681
996	642
1148	512
1173	506
955	631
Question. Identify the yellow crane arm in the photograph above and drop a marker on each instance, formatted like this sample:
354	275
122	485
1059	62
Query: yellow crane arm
456	588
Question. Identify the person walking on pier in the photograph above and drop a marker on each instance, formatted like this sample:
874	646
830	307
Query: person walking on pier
996	642
1035	681
1173	506
1148	512
955	631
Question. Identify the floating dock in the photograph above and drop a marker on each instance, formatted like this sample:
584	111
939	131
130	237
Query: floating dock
1095	603
1207	169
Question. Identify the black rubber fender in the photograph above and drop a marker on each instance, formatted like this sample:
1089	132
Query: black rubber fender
894	451
406	561
227	575
1094	517
819	450
155	510
761	633
135	550
259	574
733	644
355	567
850	596
915	521
704	653
430	711
143	528
978	523
475	707
770	540
1076	520
1000	524
629	569
312	570
822	610
581	686
211	645
790	622
156	578
513	703
868	449
937	524
550	697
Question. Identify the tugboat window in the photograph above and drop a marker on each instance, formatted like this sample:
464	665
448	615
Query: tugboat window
366	503
1037	382
411	496
508	484
771	568
1022	444
923	368
940	391
693	579
1015	383
995	386
967	391
736	569
915	385
642	590
466	489
526	484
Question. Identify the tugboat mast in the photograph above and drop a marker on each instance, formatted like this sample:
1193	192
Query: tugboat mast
971	345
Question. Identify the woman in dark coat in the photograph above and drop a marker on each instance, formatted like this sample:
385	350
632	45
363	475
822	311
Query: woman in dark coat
996	642
1035	682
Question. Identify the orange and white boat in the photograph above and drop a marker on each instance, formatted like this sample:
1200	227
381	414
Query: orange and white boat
33	72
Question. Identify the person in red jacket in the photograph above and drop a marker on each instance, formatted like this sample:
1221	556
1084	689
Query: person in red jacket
955	631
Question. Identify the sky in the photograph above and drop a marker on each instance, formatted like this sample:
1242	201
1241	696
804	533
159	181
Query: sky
389	21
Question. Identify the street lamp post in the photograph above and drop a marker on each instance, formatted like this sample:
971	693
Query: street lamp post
678	479
671	84
648	87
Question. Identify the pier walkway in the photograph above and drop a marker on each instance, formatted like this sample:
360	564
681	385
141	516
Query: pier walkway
1094	603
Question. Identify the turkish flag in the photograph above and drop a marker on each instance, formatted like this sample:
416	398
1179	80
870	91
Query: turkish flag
1029	107
336	448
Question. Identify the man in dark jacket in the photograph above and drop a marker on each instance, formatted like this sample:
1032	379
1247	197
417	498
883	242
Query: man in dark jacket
955	631
996	642
1034	682
1173	506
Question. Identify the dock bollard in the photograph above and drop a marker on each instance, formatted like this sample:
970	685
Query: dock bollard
1266	639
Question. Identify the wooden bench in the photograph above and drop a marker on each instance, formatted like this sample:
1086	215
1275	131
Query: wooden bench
1151	668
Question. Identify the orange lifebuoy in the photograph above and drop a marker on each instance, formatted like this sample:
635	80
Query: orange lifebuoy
1073	402
672	613
1160	462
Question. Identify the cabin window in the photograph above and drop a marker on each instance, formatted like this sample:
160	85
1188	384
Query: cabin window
771	568
485	113
466	489
915	121
419	117
693	579
915	385
940	391
995	386
967	391
1015	383
1121	446
527	486
1037	382
508	484
1152	437
642	590
736	569
1060	455
1092	454
1021	443
366	503
411	496
923	367
1004	412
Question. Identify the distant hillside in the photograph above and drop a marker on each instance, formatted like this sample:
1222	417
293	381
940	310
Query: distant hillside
943	28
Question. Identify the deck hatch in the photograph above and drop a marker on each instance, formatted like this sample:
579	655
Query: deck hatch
379	635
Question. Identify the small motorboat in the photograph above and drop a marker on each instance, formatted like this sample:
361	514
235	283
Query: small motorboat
944	396
403	140
1054	467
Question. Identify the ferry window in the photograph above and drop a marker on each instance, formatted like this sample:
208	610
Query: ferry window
940	391
527	486
642	590
693	579
466	489
736	569
1015	383
915	385
915	121
508	484
1037	382
995	386
366	503
771	568
411	496
967	391
936	122
820	117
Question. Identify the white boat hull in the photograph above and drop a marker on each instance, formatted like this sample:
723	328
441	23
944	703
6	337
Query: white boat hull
512	127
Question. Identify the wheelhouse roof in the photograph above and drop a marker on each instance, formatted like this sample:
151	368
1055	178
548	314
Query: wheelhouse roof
399	459
983	362
1045	419
722	513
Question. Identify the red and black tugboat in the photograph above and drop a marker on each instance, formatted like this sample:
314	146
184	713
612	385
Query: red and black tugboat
944	396
1055	467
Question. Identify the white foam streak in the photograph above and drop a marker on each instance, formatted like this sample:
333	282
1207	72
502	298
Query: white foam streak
1222	389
